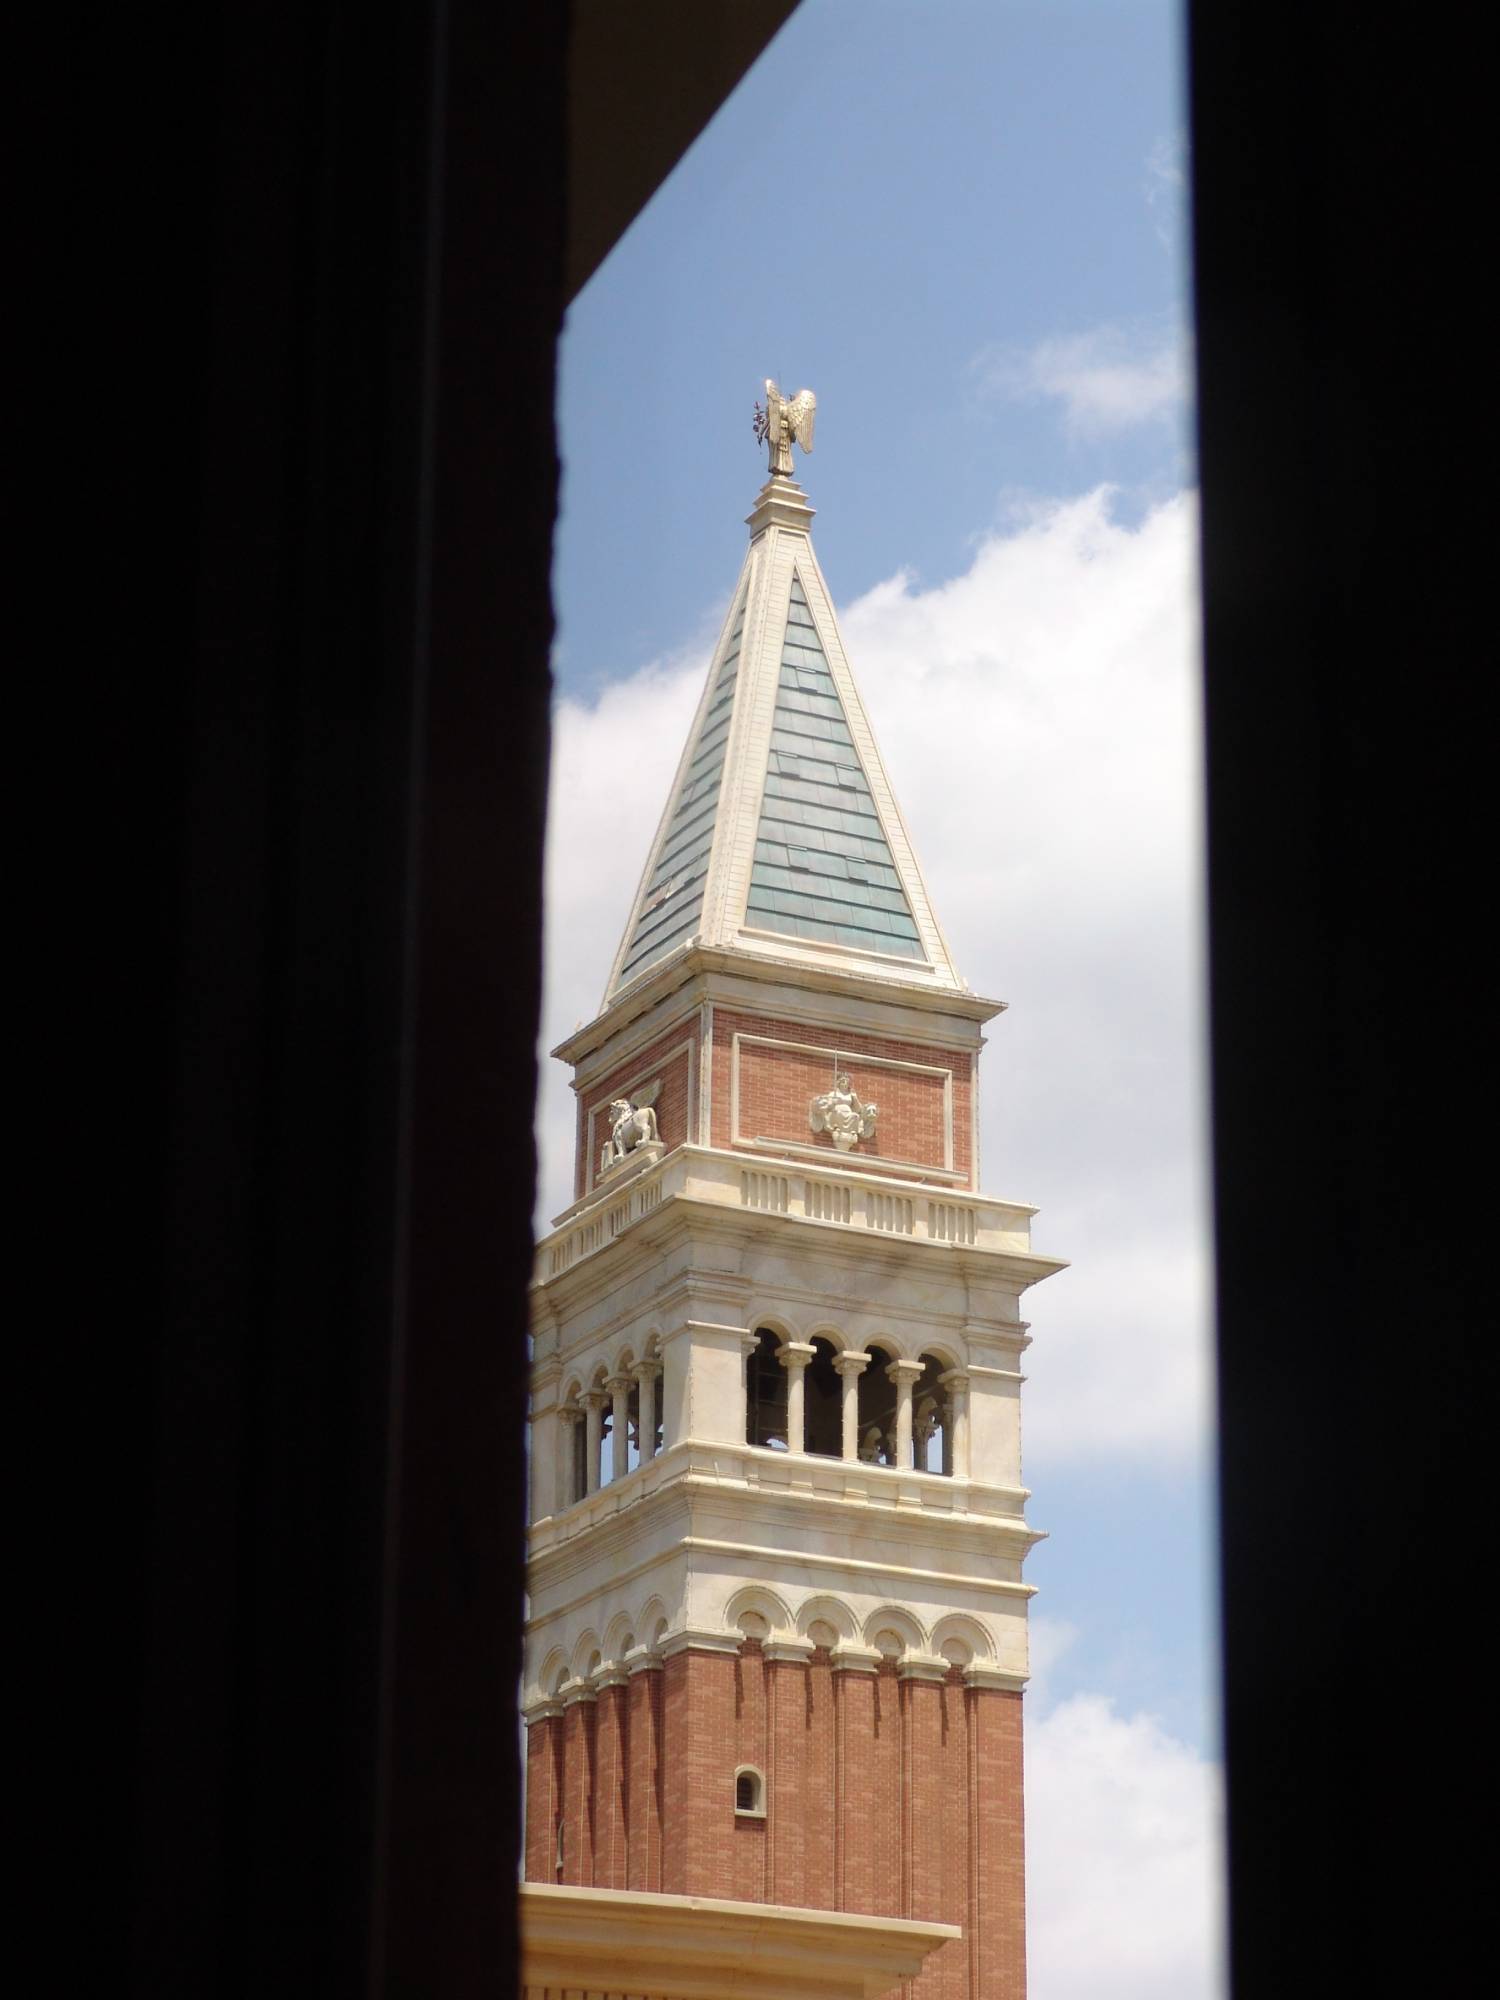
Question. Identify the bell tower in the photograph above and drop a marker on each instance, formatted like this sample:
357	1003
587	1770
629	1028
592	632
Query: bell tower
777	1641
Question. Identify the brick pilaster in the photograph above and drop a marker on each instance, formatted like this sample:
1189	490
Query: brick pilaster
543	1796
750	1883
1000	1860
643	1783
886	1816
787	1806
610	1781
952	1960
820	1852
698	1773
854	1699
927	1808
578	1793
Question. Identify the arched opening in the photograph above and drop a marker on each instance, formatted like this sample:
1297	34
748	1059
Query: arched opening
653	1365
821	1410
580	1447
633	1428
877	1410
765	1393
932	1418
749	1792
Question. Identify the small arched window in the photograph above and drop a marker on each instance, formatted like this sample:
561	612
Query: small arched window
749	1792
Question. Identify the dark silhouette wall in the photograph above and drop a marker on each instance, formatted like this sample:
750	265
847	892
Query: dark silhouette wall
308	548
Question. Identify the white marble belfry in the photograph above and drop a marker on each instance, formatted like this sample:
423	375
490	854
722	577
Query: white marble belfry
879	1308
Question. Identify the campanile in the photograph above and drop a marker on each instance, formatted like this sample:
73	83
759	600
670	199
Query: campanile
777	1641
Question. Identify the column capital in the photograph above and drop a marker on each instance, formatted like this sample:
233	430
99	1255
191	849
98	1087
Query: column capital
855	1659
620	1385
569	1414
573	1692
594	1399
990	1674
706	1330
791	1652
542	1711
646	1371
851	1362
795	1353
905	1371
642	1660
954	1378
922	1667
699	1642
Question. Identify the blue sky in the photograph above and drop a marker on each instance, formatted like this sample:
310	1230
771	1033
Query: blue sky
896	198
962	225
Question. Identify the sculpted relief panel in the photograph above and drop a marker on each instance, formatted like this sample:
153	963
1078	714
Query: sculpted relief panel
799	1098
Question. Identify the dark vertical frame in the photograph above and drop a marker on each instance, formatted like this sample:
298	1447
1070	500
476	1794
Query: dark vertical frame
337	757
1333	251
306	548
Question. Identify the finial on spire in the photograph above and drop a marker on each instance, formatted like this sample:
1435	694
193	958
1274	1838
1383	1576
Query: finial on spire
784	420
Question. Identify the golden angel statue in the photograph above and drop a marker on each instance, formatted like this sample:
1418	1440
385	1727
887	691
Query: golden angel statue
784	421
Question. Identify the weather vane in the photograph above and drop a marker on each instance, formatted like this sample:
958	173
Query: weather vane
784	420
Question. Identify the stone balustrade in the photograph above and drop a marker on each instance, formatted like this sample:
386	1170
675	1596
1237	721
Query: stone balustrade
831	1197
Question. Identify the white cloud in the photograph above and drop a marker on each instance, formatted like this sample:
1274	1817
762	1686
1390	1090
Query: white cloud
1123	1859
1109	379
1039	718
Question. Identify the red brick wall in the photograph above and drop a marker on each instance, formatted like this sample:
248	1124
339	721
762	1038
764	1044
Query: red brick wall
678	1084
884	1797
777	1085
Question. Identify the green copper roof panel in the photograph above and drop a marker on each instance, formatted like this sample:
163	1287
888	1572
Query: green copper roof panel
674	892
822	866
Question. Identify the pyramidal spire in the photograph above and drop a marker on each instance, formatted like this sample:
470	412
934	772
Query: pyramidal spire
781	836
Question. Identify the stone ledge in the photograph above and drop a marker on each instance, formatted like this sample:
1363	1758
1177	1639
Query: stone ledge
611	1941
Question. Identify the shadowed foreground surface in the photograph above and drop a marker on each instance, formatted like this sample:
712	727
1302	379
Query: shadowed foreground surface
327	239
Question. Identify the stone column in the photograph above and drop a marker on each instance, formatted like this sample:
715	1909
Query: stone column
594	1403
794	1356
904	1374
850	1366
956	1430
645	1374
619	1430
569	1416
